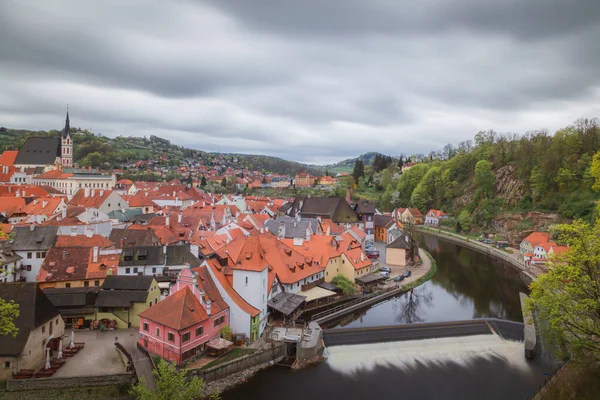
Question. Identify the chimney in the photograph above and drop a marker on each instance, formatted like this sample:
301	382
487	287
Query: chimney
208	304
31	228
95	254
179	218
146	194
348	197
167	220
64	212
406	238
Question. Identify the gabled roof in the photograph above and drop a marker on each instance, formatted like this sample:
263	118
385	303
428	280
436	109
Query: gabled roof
120	298
435	213
536	238
399	243
206	283
95	198
142	255
39	151
357	258
382	220
65	264
34	310
123	238
123	282
335	208
83	241
8	157
36	238
178	311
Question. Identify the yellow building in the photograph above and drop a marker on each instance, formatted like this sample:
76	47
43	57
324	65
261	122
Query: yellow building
123	298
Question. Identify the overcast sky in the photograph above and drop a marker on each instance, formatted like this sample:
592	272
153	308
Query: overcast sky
309	80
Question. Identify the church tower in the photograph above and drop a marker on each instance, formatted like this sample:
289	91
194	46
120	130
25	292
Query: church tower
66	148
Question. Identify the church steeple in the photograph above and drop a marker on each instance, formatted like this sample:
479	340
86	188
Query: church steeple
66	148
67	130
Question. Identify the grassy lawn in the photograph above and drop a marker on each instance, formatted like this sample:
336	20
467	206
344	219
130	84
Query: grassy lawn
232	355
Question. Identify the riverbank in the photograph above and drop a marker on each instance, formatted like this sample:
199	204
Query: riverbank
221	385
530	272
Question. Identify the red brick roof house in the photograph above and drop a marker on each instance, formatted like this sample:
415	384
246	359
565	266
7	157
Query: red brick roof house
180	326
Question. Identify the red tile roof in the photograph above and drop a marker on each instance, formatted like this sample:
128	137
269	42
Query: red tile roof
8	157
95	201
178	311
65	264
83	241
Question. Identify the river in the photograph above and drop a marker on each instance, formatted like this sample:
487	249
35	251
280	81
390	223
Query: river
467	285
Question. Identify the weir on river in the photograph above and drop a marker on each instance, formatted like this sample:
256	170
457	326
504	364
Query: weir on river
468	285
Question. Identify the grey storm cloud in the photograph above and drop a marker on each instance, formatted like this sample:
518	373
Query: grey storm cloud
313	81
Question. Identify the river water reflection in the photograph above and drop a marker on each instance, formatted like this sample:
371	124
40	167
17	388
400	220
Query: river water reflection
467	285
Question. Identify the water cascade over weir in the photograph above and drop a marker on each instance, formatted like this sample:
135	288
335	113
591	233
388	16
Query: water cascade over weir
407	355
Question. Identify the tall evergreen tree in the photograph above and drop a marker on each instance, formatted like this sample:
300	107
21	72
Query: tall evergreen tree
359	169
203	181
224	182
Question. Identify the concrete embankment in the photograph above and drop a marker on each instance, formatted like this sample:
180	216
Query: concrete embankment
526	274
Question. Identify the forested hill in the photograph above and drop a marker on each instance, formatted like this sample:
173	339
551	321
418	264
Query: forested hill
367	159
498	173
94	150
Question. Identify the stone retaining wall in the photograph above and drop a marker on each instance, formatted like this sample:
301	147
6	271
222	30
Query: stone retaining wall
239	364
13	385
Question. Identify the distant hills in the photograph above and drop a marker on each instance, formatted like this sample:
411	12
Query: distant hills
348	164
102	151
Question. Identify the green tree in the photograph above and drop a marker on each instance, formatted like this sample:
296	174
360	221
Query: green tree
203	181
359	170
344	284
224	182
171	384
386	179
484	178
9	311
567	297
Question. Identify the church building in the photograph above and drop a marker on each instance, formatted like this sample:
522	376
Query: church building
47	152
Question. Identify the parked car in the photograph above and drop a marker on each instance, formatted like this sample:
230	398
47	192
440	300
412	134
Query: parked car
407	273
384	274
486	240
385	269
372	255
399	278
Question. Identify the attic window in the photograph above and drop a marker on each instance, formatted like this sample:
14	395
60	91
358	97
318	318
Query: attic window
288	252
128	255
248	256
70	270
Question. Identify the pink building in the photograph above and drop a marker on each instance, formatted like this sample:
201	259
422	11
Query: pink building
178	327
